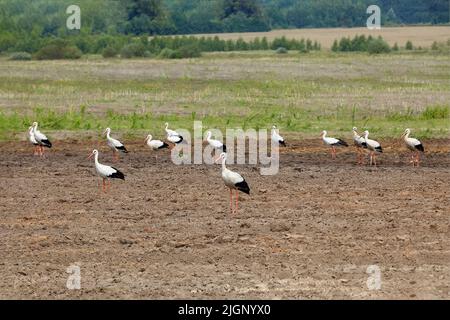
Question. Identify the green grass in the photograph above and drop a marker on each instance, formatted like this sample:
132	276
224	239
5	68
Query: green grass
302	93
432	122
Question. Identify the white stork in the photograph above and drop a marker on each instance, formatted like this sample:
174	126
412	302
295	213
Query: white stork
360	144
155	144
276	138
170	132
106	172
33	141
233	180
414	145
114	144
333	143
173	136
41	139
373	146
215	144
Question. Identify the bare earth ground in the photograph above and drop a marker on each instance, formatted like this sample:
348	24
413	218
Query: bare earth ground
309	232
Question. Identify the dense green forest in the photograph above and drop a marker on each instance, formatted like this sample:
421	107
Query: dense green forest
47	18
120	27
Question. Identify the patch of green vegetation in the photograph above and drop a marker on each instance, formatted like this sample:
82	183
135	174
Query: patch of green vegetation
432	122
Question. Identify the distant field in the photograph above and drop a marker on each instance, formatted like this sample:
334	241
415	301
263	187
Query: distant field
302	93
420	36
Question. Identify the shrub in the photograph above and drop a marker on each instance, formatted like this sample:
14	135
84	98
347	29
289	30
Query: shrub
133	50
395	47
377	46
167	53
281	50
434	46
72	52
109	52
23	56
335	46
409	45
58	49
189	51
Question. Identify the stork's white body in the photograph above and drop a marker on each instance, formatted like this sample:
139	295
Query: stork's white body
234	181
358	140
414	145
373	146
40	138
360	144
173	136
31	137
333	143
114	144
104	171
33	140
155	144
276	138
215	144
174	139
231	178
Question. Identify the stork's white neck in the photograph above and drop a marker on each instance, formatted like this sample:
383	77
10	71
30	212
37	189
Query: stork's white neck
224	167
366	135
407	135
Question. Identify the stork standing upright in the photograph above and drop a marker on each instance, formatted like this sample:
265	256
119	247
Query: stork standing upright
414	145
360	144
33	141
373	146
215	144
234	181
41	139
106	172
155	144
276	138
333	143
173	136
114	144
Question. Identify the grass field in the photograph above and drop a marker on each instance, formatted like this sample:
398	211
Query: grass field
302	93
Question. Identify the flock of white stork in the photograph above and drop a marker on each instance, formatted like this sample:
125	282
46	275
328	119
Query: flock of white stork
233	180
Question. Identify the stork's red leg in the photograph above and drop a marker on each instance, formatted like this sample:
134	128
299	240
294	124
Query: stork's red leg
231	200
237	201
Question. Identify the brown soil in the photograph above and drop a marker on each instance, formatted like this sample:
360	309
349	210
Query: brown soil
166	232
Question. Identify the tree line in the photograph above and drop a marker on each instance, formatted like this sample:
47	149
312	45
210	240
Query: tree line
43	18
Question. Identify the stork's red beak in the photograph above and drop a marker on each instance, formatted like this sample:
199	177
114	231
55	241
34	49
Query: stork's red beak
90	156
